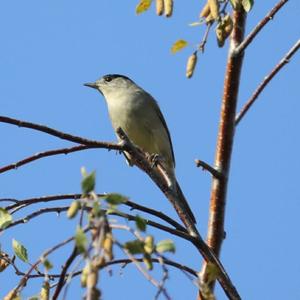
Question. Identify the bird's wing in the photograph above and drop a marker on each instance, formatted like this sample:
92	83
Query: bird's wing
163	121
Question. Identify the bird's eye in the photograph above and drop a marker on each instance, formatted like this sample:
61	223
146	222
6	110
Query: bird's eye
108	78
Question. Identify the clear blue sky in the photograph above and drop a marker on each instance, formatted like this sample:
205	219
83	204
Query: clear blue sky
50	48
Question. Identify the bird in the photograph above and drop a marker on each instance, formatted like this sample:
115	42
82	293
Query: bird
134	110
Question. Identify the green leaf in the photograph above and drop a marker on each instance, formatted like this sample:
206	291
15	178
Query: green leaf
33	298
88	182
140	223
247	5
135	246
19	250
178	45
5	218
165	246
47	264
143	6
80	240
115	199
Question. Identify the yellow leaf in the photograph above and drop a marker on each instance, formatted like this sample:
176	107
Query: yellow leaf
178	45
143	6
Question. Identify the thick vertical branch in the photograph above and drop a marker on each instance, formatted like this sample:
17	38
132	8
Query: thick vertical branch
225	139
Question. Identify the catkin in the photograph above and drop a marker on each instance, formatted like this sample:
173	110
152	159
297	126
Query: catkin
73	209
108	246
160	7
191	64
205	11
214	8
168	5
44	294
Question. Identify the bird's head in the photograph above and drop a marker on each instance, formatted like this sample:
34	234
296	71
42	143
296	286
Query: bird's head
112	84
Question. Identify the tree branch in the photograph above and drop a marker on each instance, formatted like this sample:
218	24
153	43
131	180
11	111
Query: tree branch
155	213
63	273
35	214
267	79
40	155
225	139
36	200
60	134
245	43
209	168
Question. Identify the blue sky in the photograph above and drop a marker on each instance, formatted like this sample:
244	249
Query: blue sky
50	48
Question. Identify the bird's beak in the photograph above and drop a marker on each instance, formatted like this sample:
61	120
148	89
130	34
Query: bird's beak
91	85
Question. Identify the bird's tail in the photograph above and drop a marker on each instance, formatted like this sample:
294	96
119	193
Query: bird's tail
185	212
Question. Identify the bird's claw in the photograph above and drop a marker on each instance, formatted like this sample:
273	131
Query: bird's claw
154	159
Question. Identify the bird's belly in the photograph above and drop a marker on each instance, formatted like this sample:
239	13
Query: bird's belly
137	129
144	129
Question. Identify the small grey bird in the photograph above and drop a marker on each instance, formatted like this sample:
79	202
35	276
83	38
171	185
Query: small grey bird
138	114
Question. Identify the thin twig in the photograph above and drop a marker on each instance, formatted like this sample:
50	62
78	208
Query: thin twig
244	44
155	213
50	198
8	200
60	134
63	273
201	46
267	79
209	168
35	200
164	277
40	155
36	214
143	271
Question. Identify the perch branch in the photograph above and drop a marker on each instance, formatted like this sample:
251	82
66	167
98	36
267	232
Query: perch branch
60	134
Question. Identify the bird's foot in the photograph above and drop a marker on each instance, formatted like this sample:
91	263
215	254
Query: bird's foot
154	159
